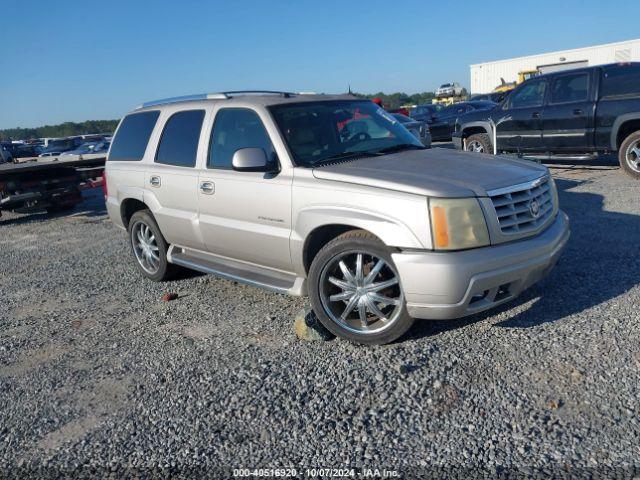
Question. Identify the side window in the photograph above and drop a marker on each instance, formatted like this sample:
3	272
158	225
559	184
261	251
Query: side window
530	94
620	81
179	142
233	129
132	137
570	88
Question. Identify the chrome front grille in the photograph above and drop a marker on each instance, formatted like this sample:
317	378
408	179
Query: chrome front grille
523	208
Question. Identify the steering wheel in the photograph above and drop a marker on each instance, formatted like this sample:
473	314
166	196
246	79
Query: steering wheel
361	136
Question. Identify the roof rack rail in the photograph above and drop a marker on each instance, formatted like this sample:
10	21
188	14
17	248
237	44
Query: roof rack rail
184	98
257	92
212	96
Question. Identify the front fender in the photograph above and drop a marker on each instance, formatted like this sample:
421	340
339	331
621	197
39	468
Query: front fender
616	127
392	231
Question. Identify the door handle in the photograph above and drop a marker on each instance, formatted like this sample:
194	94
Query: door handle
155	181
535	114
578	111
208	188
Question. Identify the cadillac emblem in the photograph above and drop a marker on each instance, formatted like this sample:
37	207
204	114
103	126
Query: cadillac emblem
534	208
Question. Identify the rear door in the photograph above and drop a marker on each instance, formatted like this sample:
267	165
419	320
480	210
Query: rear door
172	179
519	125
568	123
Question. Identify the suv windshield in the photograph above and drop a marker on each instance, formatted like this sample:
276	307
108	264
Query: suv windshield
316	132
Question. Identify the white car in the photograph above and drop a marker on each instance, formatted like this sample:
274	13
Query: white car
449	90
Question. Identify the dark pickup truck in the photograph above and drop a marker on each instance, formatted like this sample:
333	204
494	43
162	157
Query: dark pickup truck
570	114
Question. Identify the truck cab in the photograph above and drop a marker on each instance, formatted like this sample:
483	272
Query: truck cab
577	112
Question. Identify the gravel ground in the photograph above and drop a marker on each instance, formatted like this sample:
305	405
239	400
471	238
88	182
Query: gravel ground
97	372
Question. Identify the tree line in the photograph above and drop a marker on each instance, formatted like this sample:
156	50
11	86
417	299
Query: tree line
69	129
66	129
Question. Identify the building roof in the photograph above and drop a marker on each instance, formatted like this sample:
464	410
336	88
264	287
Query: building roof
560	52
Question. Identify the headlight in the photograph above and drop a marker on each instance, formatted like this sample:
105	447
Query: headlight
554	194
457	223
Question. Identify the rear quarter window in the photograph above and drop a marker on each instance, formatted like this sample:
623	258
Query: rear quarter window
132	137
620	82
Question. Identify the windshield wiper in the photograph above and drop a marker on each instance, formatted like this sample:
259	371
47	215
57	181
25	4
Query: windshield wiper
399	148
347	156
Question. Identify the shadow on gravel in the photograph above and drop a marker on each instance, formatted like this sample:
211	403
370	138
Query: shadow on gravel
92	205
600	262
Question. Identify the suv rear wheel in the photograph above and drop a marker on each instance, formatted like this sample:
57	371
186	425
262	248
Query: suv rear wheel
149	247
479	143
629	155
355	290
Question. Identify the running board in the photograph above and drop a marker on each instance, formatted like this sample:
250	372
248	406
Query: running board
573	158
268	279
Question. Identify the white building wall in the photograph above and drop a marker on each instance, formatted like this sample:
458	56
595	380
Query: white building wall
486	76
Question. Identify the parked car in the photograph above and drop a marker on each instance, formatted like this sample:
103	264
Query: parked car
425	113
449	90
5	154
495	97
402	111
89	148
443	123
571	113
59	146
329	196
420	130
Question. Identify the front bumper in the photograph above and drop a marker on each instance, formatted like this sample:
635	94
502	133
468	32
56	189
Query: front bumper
446	285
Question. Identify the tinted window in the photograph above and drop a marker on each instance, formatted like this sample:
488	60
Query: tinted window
237	128
133	136
620	81
570	88
179	141
530	94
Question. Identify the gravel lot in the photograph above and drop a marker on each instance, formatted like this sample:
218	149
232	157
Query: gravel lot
96	371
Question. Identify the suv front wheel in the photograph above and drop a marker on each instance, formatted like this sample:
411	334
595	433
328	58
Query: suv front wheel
355	290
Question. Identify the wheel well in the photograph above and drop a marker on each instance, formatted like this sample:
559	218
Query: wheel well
625	130
129	207
318	238
467	132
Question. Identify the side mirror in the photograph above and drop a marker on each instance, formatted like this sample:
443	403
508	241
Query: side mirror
251	160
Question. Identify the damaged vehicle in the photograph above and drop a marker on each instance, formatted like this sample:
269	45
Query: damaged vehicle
330	197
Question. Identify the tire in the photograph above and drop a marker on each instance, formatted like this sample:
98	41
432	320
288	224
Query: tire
482	141
629	155
142	226
375	329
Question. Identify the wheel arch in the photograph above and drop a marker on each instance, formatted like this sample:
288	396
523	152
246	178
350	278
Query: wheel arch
128	207
472	128
623	126
316	227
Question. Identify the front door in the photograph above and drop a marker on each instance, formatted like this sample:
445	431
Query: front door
568	123
519	124
244	215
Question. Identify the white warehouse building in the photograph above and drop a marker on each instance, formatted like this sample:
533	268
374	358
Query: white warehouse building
487	76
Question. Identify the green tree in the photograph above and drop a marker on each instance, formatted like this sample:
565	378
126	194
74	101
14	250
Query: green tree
66	129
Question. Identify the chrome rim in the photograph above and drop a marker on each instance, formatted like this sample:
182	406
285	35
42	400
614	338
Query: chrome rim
475	146
145	247
633	156
361	292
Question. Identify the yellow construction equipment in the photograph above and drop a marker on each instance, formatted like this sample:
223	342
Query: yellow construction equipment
522	76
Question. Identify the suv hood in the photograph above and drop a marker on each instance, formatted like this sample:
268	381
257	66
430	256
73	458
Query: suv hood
437	172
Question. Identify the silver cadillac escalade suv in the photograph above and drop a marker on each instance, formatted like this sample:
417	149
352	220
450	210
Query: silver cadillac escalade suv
330	197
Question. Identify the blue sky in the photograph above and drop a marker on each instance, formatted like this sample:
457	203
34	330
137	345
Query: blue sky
79	60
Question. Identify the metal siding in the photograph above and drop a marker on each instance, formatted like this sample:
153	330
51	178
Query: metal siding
486	76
